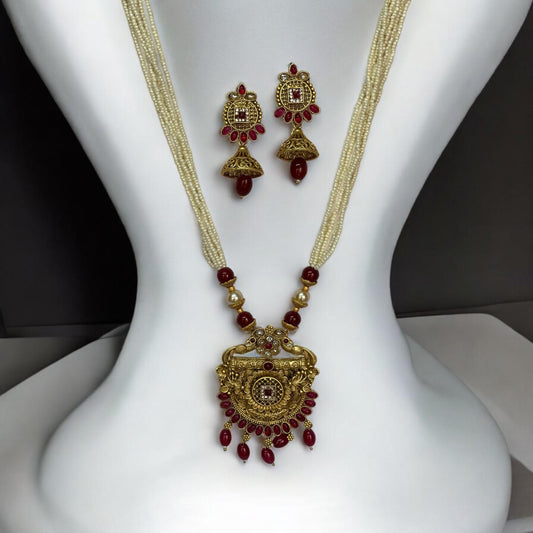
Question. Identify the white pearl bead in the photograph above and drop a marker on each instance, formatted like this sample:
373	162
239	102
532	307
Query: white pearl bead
234	298
302	296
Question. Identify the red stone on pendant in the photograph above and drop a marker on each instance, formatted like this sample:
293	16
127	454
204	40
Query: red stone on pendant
244	319
225	437
242	423
225	404
312	394
298	169
310	274
293	69
300	417
243	451
310	403
306	410
229	412
235	418
243	185
307	115
277	429
251	428
242	89
286	427
293	423
280	441
288	116
234	136
279	112
224	275
252	135
314	108
260	128
268	366
223	396
268	345
293	318
225	130
268	431
244	137
298	118
309	437
258	430
268	456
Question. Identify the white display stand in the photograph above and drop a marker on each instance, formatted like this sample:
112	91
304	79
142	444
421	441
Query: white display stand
400	447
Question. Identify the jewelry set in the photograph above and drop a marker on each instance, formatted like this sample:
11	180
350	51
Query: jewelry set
268	395
295	97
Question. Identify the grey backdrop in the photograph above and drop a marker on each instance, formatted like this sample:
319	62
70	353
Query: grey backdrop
65	258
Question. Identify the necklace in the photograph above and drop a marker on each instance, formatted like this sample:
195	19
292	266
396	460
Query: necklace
266	395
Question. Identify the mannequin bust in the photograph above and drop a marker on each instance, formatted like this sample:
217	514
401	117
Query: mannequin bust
402	445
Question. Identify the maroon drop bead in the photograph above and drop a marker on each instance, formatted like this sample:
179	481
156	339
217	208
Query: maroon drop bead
243	185
310	274
286	427
277	429
309	437
225	437
300	417
258	430
235	418
298	168
223	396
241	423
251	428
293	318
280	441
310	403
243	451
293	423
312	394
268	431
244	319
306	410
230	412
268	456
225	274
225	404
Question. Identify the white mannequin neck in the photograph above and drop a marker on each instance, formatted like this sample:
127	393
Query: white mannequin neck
162	393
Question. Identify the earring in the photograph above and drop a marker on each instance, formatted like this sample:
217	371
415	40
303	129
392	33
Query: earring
242	122
295	96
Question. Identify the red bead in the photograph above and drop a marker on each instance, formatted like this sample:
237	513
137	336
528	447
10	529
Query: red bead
298	118
225	274
251	428
225	130
268	456
307	115
244	137
300	417
244	319
235	418
252	135
310	403
260	128
268	431
223	396
293	423
241	423
279	112
243	185
268	366
292	318
306	410
310	274
298	168
242	89
243	451
309	437
234	136
225	404
277	429
229	412
280	441
312	394
286	427
258	430
288	116
268	345
314	108
225	437
293	69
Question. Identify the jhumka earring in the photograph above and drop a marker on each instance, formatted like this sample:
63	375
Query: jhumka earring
295	96
242	122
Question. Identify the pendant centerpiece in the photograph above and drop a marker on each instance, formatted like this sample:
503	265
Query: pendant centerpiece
267	395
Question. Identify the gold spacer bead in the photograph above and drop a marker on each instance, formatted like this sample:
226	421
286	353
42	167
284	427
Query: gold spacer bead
307	283
305	288
290	436
268	443
231	289
245	437
290	327
229	283
308	424
227	425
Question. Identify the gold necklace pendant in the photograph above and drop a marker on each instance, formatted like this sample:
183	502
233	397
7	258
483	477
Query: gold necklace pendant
266	395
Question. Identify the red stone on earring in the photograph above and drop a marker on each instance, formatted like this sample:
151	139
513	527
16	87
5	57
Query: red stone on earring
243	451
243	186
268	456
298	169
